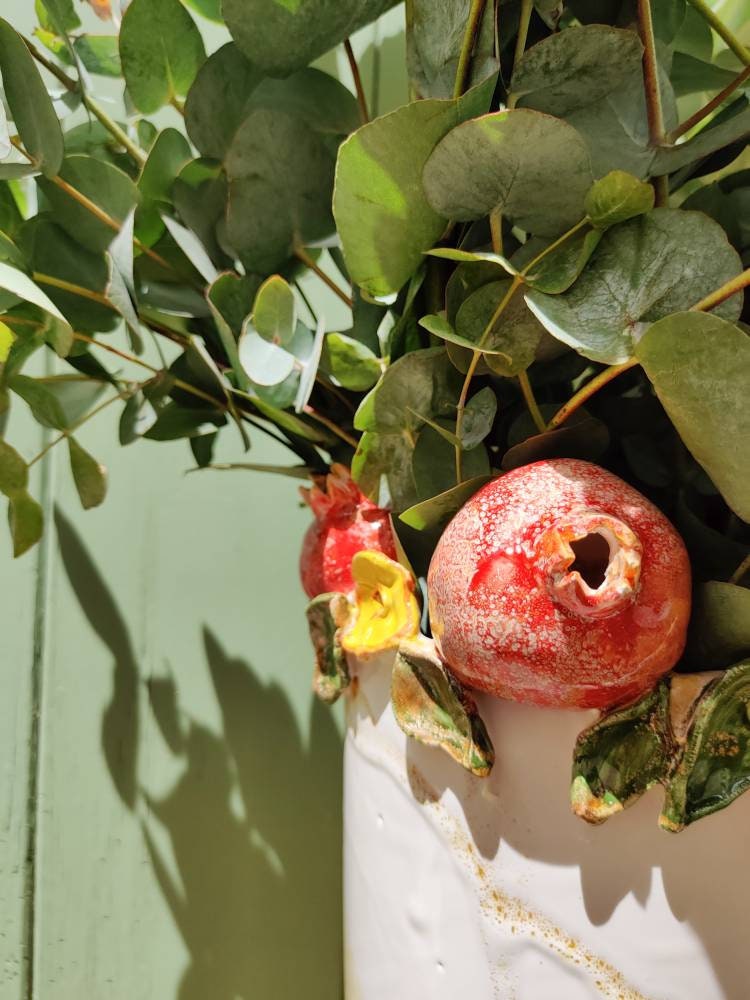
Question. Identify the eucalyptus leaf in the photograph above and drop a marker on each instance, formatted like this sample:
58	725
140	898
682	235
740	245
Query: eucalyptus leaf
75	394
707	141
438	510
26	520
161	51
587	438
30	106
641	271
275	311
309	358
617	197
351	363
575	68
174	422
690	75
479	416
166	158
558	269
432	707
533	168
514	334
14	475
719	632
282	37
435	31
699	365
89	476
433	462
263	361
17	283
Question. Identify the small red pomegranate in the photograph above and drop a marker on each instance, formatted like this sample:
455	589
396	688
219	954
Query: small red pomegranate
346	522
561	585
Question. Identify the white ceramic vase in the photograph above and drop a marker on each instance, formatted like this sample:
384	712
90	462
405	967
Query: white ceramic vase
462	887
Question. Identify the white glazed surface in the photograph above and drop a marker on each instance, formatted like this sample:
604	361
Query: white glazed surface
457	886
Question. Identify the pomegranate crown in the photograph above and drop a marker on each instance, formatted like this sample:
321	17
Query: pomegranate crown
334	493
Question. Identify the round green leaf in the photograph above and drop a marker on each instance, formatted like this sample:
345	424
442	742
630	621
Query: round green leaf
719	626
514	337
351	363
435	32
618	197
700	368
89	476
161	51
30	105
533	168
575	67
14	475
284	36
26	521
264	362
641	271
275	311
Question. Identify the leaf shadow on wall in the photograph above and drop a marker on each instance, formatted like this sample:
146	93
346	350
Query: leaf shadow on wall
252	876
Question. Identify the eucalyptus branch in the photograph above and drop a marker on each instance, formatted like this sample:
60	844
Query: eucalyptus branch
726	291
467	47
302	255
527	8
587	391
531	403
331	425
654	111
96	110
73	289
731	40
742	569
78	424
712	105
356	76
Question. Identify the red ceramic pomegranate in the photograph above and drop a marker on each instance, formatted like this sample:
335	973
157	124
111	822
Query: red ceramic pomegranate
561	585
346	522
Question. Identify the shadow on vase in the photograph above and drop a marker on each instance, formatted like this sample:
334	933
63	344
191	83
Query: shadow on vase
246	845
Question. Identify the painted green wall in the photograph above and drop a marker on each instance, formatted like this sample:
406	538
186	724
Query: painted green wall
169	791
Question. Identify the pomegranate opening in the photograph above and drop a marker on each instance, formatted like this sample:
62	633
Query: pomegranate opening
592	557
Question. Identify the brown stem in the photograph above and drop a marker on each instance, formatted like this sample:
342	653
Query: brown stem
302	255
467	47
333	427
654	111
742	569
712	105
78	423
531	403
722	294
527	8
587	391
360	90
68	286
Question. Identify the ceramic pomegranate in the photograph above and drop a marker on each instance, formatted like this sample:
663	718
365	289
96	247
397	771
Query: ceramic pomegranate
561	585
346	522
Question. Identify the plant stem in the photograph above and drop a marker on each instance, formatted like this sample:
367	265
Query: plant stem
467	47
527	7
461	406
722	31
587	391
302	255
712	105
75	426
68	286
553	246
73	86
531	403
722	294
654	111
178	105
742	569
496	231
360	90
333	427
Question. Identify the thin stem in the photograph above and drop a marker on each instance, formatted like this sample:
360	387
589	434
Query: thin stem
742	569
308	305
78	423
73	86
654	111
461	406
302	255
178	105
467	47
712	105
553	246
722	31
360	90
68	286
496	231
722	294
531	403
333	427
527	7
588	390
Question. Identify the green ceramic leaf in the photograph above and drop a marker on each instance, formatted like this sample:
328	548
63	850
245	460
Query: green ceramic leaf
26	520
699	366
715	765
719	626
618	197
437	511
280	183
435	31
574	68
533	168
641	271
108	187
285	35
557	270
432	707
14	476
383	218
621	756
29	103
161	51
326	616
513	337
352	364
89	476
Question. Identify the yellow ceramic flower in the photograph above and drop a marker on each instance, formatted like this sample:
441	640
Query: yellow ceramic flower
387	610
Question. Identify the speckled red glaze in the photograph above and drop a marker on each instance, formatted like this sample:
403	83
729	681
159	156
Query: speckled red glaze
510	618
346	523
